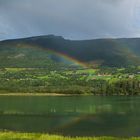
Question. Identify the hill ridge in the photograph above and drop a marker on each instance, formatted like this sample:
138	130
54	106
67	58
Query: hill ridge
120	52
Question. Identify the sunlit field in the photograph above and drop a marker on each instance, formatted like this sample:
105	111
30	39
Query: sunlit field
33	136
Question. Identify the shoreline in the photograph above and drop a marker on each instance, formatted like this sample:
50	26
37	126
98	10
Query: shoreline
44	94
57	94
33	94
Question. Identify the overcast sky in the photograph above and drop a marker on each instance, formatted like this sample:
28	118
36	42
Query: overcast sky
72	19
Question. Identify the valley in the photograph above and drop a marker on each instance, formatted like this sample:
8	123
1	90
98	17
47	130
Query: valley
76	81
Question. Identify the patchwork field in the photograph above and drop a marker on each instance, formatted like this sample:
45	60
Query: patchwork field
101	81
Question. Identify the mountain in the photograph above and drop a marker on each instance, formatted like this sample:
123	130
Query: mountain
46	51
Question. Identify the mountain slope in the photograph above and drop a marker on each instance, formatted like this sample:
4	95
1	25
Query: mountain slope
42	51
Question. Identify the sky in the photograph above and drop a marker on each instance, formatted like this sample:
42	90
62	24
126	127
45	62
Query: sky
72	19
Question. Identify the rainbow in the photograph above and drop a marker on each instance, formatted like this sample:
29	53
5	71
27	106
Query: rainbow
68	58
62	55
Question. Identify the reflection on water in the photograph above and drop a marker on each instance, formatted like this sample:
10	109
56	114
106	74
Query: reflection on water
83	115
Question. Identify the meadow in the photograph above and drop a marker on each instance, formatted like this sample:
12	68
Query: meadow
35	136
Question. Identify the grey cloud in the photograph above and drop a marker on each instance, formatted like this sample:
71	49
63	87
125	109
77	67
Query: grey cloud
75	19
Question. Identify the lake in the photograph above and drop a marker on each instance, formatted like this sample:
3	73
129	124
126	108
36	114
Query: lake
72	115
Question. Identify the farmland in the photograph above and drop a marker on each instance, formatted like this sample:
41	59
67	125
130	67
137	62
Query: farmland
107	81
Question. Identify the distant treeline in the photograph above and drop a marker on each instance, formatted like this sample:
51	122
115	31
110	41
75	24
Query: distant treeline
43	81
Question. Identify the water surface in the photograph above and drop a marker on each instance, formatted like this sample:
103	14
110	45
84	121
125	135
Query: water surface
71	115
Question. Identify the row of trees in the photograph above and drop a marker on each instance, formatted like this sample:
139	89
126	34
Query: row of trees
102	87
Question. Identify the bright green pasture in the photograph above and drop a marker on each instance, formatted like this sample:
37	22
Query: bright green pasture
35	136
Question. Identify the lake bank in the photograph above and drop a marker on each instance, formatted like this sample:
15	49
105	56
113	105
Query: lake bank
58	94
36	94
37	136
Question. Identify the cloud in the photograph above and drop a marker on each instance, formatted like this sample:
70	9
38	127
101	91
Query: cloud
75	19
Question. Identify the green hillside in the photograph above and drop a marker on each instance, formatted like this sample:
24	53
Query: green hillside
43	52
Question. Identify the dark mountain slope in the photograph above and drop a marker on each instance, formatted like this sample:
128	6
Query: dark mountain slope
133	44
33	52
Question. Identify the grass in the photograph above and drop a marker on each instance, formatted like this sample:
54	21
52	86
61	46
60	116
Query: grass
15	69
88	71
35	136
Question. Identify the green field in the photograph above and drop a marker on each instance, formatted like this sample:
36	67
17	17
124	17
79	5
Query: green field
35	136
101	81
